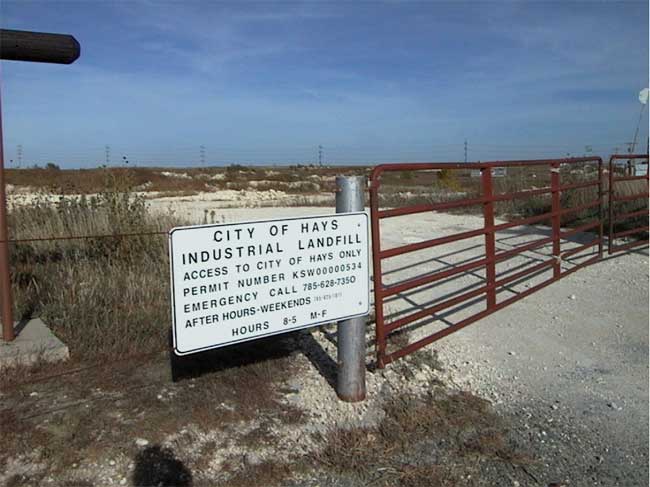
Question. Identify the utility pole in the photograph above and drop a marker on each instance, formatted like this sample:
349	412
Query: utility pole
19	155
202	154
465	150
320	155
107	153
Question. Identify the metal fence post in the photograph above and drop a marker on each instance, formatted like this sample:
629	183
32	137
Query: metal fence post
351	342
490	246
5	278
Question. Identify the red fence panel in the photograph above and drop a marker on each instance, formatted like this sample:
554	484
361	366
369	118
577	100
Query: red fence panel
492	283
632	170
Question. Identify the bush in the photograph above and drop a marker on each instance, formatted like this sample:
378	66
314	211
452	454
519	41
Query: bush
104	296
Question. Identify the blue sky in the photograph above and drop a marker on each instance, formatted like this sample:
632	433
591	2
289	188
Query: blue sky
371	81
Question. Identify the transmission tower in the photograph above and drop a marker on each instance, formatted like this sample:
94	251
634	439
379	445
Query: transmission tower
202	154
107	153
320	155
465	150
19	155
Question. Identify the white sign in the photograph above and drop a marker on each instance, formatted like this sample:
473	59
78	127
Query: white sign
641	168
497	172
238	282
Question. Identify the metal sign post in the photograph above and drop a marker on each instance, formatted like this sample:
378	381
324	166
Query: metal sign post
351	336
16	45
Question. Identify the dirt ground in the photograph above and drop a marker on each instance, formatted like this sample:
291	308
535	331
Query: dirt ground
550	391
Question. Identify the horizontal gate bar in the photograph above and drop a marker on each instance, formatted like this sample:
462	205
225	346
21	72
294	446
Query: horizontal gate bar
428	279
428	166
391	357
632	214
631	197
577	250
579	229
409	210
465	296
588	184
575	209
636	243
629	232
628	178
385	254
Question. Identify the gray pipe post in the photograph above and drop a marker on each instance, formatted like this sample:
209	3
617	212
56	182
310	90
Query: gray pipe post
351	342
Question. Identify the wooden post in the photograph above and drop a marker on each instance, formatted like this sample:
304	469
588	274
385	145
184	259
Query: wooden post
18	45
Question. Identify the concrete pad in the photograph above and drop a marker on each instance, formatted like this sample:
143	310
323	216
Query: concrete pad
34	341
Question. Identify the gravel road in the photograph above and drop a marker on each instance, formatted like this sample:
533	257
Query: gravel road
573	371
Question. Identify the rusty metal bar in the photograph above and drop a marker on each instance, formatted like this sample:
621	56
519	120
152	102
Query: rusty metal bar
385	254
580	229
576	209
430	278
474	318
555	220
488	226
580	248
5	276
428	166
392	252
610	206
423	208
631	214
631	197
588	184
630	232
600	208
629	178
468	295
380	333
409	210
627	246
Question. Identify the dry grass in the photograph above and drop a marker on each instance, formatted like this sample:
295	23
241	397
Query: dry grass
421	442
102	296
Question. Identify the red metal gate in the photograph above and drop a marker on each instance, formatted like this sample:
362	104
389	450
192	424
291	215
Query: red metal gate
491	284
632	170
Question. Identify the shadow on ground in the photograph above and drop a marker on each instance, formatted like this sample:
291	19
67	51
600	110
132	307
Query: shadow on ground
156	465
